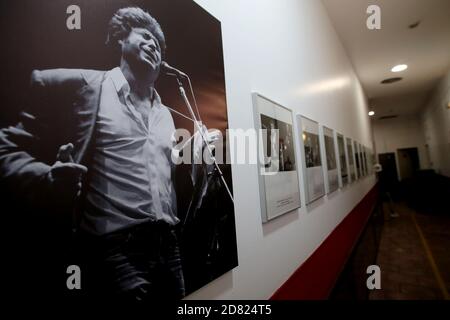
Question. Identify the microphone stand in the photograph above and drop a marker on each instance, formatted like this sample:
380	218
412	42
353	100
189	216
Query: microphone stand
199	129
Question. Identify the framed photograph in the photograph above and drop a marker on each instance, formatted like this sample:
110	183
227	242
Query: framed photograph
357	159
342	159
351	160
361	160
277	163
330	156
313	168
365	161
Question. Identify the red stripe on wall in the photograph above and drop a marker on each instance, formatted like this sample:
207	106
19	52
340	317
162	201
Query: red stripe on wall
316	277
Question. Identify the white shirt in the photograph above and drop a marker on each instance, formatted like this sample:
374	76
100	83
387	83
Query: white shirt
131	174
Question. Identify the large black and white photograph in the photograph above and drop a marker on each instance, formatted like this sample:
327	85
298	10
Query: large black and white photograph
105	105
330	152
314	176
342	160
278	176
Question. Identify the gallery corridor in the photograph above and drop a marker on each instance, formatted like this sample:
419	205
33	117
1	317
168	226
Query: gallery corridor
410	124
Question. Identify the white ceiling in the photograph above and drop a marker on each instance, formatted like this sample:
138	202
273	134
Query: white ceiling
425	49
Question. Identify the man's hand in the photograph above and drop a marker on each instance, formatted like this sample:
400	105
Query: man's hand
65	176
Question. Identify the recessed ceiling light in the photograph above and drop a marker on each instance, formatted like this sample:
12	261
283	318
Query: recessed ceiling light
399	68
388	117
391	80
414	25
371	113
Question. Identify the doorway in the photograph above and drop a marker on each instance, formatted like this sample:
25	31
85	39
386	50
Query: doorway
408	162
388	177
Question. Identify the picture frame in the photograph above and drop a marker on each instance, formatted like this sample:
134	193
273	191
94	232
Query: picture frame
361	160
277	161
310	146
351	160
330	162
342	159
357	160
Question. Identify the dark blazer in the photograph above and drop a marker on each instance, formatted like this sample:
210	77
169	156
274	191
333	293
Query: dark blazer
36	238
62	108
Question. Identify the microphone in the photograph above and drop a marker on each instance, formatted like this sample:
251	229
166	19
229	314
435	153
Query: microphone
171	71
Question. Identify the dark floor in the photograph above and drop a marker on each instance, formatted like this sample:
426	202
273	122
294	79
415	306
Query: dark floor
414	256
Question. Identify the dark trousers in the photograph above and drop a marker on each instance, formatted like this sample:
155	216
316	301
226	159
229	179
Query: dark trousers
140	263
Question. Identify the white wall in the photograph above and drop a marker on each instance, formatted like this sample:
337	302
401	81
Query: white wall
398	133
288	51
435	122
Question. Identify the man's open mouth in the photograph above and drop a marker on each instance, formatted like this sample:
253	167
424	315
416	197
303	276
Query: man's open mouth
150	55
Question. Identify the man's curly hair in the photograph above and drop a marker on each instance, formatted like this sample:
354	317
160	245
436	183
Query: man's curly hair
125	19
